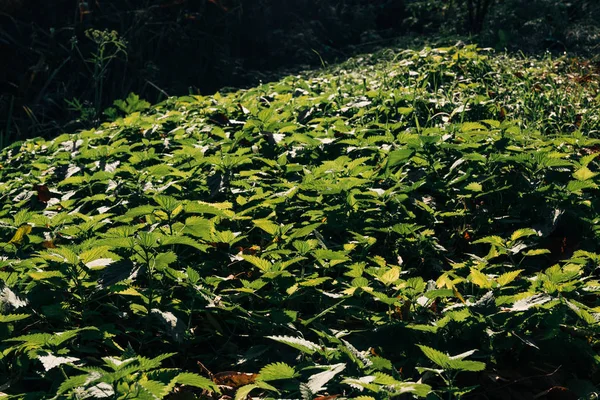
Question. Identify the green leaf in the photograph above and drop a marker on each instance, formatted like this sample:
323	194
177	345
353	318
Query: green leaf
583	174
508	277
267	226
304	231
317	382
480	279
474	187
76	381
243	392
390	276
449	363
13	317
301	344
157	390
275	371
536	252
259	263
440	359
20	234
578	186
183	240
195	380
518	234
397	157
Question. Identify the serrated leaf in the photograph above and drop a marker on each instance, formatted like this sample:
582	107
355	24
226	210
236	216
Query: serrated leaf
390	276
158	390
448	363
20	234
583	174
267	226
536	252
480	279
100	262
578	186
304	231
50	361
317	382
508	277
440	359
183	240
531	301
7	296
259	263
301	344
13	317
243	392
518	234
397	157
474	187
77	381
493	240
195	380
275	371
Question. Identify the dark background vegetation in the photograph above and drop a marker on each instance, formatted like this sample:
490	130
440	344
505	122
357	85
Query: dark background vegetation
57	75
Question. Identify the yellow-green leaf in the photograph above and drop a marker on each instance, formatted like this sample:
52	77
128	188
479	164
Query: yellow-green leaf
474	187
583	174
508	277
480	279
20	234
390	276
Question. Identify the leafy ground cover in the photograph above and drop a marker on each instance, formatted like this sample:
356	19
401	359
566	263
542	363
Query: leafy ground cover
406	224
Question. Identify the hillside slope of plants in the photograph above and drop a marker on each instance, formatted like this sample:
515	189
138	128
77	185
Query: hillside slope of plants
406	224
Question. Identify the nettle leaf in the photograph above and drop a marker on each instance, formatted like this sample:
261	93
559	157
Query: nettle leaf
8	297
13	317
267	226
243	392
508	277
583	174
20	234
449	363
317	382
140	211
398	157
77	381
493	240
195	380
259	263
579	185
474	187
156	390
199	227
518	234
61	255
50	361
169	204
183	240
529	302
275	371
480	279
390	276
304	231
301	344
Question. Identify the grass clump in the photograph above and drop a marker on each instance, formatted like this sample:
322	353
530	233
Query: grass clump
405	224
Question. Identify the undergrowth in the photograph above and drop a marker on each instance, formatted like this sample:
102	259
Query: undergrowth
410	223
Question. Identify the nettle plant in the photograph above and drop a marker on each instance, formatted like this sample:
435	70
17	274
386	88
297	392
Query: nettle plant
406	224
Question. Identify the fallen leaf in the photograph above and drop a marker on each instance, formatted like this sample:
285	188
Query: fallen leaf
234	379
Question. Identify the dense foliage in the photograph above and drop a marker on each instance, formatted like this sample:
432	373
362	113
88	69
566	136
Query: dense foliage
412	223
